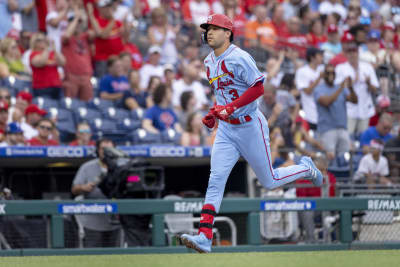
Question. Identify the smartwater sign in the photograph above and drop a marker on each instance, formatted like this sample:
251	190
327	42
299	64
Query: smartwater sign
96	208
287	205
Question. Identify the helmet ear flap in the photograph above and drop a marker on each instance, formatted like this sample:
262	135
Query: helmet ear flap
204	37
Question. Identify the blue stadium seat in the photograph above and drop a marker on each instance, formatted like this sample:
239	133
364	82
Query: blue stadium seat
100	104
45	103
71	103
128	125
109	129
137	114
170	136
15	85
86	114
141	136
65	125
112	113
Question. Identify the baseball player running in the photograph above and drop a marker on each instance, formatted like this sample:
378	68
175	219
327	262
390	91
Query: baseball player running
242	131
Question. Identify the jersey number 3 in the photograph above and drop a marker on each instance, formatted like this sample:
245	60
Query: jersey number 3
234	94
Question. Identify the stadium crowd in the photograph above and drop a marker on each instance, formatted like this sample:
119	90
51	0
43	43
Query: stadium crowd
74	70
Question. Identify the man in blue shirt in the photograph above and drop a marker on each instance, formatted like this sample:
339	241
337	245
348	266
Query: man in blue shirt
115	85
161	116
332	115
381	132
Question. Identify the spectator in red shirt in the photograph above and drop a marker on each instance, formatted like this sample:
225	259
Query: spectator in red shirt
83	135
238	16
277	20
78	68
295	39
316	37
109	35
45	128
44	61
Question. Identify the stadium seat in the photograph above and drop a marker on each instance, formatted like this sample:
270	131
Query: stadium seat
170	136
86	114
16	85
128	125
45	103
137	114
112	113
141	136
100	104
65	125
108	129
71	103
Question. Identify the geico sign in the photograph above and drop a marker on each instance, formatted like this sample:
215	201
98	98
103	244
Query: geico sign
168	151
66	152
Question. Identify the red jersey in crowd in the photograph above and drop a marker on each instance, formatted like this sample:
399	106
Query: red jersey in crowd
75	143
315	191
136	57
316	41
113	45
36	142
47	76
77	54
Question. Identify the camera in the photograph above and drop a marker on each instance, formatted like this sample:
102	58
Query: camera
129	177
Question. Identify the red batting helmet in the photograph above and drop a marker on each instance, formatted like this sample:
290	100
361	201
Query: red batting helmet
219	20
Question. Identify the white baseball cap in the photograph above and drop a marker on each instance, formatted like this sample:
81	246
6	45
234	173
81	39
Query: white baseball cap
104	3
154	49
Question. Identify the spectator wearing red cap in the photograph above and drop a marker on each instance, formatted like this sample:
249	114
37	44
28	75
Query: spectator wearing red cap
78	68
33	114
347	42
332	46
109	34
3	115
16	112
44	61
382	106
45	127
388	34
365	83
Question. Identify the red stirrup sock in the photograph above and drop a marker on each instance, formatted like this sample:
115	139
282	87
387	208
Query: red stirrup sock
207	219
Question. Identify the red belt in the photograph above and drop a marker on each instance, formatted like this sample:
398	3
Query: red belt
235	121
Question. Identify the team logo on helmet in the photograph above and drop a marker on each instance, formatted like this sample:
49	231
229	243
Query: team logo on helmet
209	19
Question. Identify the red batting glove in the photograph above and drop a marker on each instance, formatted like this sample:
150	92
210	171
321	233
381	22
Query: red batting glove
209	120
222	112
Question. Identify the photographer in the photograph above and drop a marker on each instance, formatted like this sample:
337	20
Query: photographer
133	179
99	232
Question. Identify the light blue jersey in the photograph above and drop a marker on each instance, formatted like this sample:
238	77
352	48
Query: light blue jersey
230	75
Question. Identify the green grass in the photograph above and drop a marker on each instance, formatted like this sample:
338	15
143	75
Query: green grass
364	258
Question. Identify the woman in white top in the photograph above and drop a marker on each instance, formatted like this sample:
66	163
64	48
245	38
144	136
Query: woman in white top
162	34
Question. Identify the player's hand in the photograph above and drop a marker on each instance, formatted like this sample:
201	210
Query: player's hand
209	120
222	112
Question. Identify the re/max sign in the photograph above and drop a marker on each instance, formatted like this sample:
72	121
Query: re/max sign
383	204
